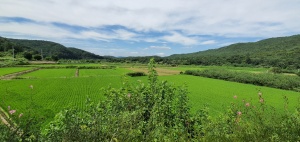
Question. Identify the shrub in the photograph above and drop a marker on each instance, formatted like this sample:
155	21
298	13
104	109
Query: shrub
134	74
157	111
37	57
261	79
276	70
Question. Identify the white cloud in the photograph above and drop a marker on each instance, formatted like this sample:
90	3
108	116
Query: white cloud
134	53
208	42
160	54
164	47
51	31
184	21
178	38
230	17
95	35
33	29
124	35
106	36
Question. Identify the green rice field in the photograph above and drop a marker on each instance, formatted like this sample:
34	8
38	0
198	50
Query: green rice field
56	89
102	72
51	73
9	70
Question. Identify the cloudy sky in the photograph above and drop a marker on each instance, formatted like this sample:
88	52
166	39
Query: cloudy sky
148	27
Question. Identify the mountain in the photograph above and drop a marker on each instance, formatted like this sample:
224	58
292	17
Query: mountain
277	52
46	48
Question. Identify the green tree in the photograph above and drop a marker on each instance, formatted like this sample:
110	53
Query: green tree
37	57
27	55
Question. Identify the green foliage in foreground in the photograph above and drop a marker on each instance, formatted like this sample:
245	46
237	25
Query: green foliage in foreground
158	111
261	79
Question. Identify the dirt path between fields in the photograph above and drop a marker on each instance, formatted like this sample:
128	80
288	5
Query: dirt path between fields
13	75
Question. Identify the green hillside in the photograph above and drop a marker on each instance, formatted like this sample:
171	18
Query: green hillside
277	52
48	49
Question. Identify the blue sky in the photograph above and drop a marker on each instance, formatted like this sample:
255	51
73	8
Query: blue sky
148	27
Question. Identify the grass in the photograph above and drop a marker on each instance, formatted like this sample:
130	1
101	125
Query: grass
218	93
9	70
50	73
51	93
102	72
49	96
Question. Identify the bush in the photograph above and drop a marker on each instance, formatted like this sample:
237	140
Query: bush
37	57
261	79
156	111
276	70
134	74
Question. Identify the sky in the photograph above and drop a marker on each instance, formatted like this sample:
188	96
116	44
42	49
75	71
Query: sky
148	27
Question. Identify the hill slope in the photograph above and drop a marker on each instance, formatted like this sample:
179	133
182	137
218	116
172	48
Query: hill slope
48	49
281	52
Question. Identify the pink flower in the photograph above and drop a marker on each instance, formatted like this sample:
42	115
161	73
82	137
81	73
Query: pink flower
12	111
20	115
235	96
31	86
128	95
247	104
239	113
8	107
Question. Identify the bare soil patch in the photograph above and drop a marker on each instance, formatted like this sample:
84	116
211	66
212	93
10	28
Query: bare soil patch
160	71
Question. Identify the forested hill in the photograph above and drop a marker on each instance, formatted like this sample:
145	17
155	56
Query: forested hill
46	48
281	52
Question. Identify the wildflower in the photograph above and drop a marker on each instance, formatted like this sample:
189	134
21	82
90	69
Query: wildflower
243	100
261	100
128	95
235	96
239	113
31	86
20	115
247	104
259	94
8	107
12	111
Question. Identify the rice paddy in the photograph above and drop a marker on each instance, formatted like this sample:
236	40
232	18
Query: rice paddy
55	89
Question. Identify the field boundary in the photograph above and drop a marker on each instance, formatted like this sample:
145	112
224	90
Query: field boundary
13	75
4	117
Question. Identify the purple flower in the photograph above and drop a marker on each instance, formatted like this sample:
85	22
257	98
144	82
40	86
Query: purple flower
12	111
20	115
